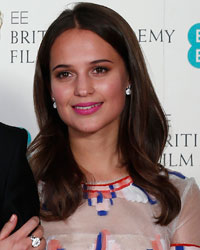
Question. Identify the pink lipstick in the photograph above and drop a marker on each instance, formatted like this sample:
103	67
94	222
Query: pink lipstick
87	108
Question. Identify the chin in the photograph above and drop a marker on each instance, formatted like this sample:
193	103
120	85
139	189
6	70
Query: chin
86	130
92	127
89	130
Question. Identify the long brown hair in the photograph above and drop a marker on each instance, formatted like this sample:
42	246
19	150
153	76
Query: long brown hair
143	127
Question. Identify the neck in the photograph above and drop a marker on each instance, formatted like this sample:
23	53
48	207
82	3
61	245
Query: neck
97	154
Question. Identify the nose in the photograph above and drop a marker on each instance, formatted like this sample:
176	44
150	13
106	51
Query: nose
83	86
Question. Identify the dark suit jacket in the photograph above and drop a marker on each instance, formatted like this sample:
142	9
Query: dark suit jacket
18	191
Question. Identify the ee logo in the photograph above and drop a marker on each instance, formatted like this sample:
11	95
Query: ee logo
194	51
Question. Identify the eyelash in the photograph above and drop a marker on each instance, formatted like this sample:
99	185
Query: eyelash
97	70
100	70
63	74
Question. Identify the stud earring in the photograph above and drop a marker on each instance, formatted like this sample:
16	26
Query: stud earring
54	103
128	90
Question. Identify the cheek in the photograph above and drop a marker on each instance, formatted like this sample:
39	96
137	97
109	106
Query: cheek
118	98
60	93
117	94
62	98
115	90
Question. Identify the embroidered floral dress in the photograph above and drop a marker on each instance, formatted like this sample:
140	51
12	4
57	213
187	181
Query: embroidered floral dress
119	216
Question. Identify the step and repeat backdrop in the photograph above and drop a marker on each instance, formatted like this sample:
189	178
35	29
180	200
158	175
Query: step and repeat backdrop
169	34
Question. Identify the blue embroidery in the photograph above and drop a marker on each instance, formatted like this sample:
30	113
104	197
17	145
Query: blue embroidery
177	174
179	247
100	197
102	213
99	241
90	202
113	194
152	202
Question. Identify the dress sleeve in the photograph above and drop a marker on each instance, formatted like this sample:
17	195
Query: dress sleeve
187	227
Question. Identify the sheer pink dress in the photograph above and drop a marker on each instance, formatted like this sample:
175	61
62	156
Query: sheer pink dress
119	215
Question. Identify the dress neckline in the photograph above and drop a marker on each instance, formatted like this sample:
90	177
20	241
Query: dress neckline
110	187
102	195
107	183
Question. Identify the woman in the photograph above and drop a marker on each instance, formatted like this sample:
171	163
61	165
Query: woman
102	133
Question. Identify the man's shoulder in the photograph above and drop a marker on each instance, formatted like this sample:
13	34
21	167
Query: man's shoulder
13	143
7	131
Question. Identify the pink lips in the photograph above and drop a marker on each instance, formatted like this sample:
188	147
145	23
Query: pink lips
87	108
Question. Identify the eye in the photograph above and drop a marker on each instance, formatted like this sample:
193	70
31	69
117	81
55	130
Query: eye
100	70
63	74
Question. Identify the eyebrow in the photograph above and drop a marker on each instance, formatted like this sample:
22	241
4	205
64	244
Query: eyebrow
93	62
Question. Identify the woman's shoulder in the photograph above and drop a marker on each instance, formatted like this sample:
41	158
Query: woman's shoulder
185	185
185	227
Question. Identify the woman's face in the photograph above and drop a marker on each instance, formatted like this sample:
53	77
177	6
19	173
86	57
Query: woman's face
88	81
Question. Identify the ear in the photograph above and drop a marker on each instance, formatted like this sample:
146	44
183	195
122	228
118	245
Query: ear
129	82
129	85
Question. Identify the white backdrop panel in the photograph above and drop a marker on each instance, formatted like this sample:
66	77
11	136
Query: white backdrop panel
161	27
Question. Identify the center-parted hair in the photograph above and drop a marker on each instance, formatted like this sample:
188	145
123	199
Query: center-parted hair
143	127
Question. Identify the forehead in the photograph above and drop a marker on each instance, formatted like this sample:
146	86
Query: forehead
82	43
